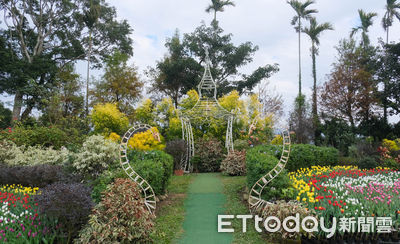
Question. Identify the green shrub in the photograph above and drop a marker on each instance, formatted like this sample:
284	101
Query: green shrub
5	117
234	163
303	155
121	217
240	145
39	136
367	163
208	155
107	177
154	166
391	163
347	161
96	155
259	163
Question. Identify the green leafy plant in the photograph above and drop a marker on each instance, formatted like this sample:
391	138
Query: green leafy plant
234	163
96	155
260	163
303	155
12	155
121	217
154	166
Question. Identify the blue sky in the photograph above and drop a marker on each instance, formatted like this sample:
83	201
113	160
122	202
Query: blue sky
265	23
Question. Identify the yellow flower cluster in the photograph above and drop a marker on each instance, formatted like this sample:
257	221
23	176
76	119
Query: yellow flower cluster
146	141
391	145
114	137
19	189
306	193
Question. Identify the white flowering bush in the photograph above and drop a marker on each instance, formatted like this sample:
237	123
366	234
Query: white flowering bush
12	155
8	151
96	155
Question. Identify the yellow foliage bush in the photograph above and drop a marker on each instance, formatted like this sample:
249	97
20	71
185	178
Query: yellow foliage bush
278	140
145	141
106	118
114	137
391	145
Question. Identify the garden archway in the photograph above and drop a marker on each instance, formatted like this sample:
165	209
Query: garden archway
206	107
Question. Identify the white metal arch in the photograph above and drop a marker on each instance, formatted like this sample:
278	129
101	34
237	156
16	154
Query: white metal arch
256	203
148	193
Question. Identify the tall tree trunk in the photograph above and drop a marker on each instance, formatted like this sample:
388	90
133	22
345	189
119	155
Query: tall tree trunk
88	72
385	80
314	107
26	112
215	16
299	30
17	106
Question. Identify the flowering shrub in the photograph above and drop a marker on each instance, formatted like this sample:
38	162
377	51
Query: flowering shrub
20	221
70	204
96	155
31	155
391	145
121	217
145	141
106	118
234	163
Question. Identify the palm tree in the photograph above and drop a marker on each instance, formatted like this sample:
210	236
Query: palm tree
392	7
218	6
301	13
366	22
314	31
392	10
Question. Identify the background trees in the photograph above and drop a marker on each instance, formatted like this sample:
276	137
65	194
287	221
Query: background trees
120	84
44	35
181	69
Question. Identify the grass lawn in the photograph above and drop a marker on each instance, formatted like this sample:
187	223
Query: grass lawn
170	212
234	190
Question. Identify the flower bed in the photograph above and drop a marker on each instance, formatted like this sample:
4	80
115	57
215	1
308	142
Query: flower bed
346	191
19	220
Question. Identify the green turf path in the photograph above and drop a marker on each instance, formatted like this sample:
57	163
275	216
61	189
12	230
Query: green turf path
204	202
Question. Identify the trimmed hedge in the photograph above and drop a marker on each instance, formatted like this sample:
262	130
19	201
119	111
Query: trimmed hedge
154	166
34	176
302	155
258	163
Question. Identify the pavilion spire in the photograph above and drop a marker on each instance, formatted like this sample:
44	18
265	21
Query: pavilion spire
207	88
